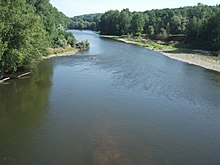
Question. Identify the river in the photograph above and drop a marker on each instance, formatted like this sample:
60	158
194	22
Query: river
115	104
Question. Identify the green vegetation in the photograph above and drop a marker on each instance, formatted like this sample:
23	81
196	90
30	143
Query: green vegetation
27	29
88	21
83	45
198	26
137	24
205	34
142	41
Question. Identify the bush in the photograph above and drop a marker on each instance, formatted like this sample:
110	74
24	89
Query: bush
83	45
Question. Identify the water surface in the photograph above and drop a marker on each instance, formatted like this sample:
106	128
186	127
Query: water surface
115	104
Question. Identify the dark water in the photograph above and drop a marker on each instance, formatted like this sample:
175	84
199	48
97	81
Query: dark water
116	104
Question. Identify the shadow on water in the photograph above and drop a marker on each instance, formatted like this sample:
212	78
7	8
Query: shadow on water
23	105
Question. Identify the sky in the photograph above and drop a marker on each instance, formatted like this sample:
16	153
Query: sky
78	7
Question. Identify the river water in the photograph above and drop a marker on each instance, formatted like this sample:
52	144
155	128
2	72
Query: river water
115	104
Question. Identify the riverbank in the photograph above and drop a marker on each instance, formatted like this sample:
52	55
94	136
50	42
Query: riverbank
57	52
69	53
202	59
205	61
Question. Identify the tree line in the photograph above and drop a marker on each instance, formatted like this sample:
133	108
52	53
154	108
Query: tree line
199	25
27	29
85	22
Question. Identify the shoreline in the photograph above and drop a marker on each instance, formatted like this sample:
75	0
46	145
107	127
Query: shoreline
204	61
197	59
68	53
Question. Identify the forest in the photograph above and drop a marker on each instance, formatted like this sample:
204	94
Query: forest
27	29
198	26
85	22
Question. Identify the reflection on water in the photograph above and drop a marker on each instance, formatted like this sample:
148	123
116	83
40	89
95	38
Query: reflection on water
115	104
23	105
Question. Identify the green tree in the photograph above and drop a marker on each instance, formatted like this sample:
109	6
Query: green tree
22	35
27	29
110	23
89	21
125	21
194	31
211	40
176	24
150	31
137	23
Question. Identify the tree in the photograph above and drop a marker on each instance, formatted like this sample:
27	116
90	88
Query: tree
194	31
110	23
27	29
89	21
22	35
211	40
147	23
192	23
137	23
125	21
150	31
176	24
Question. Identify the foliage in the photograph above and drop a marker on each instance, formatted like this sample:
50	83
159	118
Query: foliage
23	37
191	22
88	21
83	45
197	25
110	23
64	39
150	31
125	21
205	35
212	40
137	24
27	29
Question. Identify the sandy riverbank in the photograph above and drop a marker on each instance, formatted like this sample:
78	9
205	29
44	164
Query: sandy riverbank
69	53
208	62
205	61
